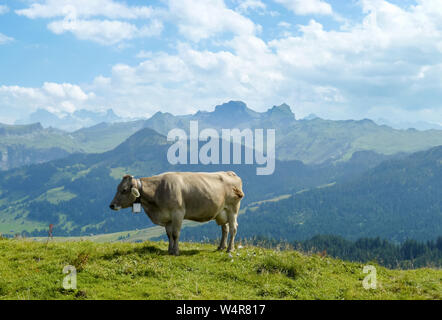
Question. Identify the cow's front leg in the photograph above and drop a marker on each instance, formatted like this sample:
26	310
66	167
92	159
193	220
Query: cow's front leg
176	230
225	231
169	235
233	225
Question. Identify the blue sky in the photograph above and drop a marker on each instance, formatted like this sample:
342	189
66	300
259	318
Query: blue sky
337	59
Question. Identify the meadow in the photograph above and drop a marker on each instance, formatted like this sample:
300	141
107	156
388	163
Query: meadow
121	270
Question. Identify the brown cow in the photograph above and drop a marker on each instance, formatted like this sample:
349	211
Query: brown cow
171	197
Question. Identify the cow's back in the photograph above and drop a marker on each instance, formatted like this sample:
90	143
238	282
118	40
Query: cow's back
201	194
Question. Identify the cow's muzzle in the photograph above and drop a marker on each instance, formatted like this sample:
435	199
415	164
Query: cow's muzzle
114	207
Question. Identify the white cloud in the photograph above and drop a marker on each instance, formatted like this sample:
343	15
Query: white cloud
84	9
106	32
18	101
4	39
101	21
284	24
17	91
201	19
245	6
66	90
307	7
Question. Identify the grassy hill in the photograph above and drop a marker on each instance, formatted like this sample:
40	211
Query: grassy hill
22	145
313	141
33	270
105	136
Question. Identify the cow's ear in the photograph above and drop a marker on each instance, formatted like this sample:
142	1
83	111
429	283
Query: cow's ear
135	192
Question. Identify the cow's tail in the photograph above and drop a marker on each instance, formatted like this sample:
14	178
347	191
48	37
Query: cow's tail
238	192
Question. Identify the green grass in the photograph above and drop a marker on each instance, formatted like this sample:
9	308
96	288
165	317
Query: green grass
33	270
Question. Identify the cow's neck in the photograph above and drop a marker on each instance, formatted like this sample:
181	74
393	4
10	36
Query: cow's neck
148	188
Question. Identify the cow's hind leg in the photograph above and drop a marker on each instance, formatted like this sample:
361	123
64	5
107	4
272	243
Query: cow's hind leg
225	231
232	216
233	226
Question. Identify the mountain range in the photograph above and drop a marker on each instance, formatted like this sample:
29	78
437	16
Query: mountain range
311	140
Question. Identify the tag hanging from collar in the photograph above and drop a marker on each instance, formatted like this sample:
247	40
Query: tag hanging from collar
136	207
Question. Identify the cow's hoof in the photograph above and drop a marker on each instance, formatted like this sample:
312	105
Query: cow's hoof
220	248
230	249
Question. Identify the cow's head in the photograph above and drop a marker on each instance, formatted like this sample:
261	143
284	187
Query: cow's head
126	194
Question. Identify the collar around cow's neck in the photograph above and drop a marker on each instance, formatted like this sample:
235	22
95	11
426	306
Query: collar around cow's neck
139	185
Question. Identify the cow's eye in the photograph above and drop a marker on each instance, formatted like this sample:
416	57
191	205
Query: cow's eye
125	190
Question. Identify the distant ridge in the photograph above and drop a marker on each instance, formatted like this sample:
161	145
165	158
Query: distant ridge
310	140
401	125
20	129
70	121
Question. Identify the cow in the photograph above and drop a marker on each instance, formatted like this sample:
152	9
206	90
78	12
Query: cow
171	197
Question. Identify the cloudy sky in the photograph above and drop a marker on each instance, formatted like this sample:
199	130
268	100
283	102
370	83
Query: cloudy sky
337	59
